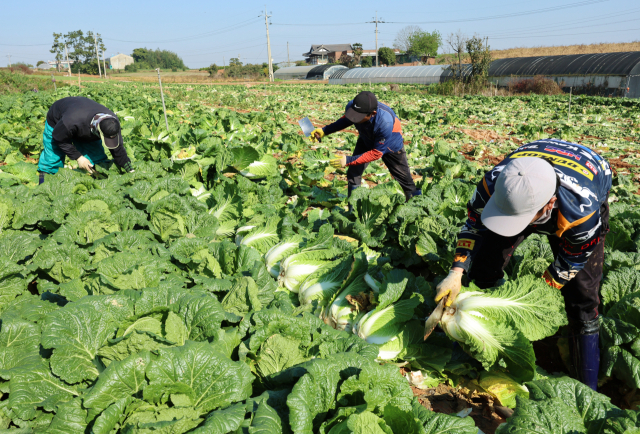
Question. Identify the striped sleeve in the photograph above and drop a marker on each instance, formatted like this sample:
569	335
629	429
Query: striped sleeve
471	234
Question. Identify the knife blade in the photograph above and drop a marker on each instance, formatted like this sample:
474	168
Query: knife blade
435	317
306	125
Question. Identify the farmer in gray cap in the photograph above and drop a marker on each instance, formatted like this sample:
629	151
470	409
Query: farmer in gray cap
77	127
548	187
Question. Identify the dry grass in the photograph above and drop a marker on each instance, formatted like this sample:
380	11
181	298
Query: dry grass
548	51
566	49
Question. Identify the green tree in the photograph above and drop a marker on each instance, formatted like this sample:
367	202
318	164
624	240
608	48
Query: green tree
386	56
139	54
57	49
402	40
301	63
424	44
234	61
213	69
81	49
479	55
40	62
151	59
366	62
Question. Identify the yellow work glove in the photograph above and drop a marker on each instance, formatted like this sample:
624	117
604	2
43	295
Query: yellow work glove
449	286
316	135
338	162
85	164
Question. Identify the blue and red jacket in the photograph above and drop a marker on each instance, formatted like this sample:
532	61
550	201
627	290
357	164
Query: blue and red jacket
380	134
585	181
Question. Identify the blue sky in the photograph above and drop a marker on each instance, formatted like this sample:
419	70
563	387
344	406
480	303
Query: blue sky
204	32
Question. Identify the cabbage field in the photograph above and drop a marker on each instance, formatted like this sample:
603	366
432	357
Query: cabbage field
225	287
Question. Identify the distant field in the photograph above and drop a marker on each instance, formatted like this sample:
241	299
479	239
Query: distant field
549	51
566	49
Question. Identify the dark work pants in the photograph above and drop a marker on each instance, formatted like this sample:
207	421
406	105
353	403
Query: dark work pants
396	162
581	294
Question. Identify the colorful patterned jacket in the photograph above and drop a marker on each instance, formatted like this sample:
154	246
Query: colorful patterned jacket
585	180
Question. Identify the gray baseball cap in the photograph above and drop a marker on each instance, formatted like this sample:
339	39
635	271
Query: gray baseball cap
523	187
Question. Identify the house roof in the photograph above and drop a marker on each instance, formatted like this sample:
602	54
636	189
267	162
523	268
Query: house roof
320	49
121	55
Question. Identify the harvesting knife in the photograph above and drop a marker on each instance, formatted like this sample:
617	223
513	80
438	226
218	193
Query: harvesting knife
434	318
306	125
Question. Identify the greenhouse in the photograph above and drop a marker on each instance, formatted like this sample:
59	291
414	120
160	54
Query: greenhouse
323	72
616	74
427	74
293	72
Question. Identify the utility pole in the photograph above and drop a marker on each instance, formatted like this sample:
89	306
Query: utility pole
95	38
104	64
266	23
288	60
164	108
376	23
9	56
223	64
66	53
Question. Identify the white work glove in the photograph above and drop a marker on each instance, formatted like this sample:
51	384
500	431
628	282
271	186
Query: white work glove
84	163
449	286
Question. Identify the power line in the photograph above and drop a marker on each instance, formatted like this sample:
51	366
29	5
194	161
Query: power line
553	26
464	20
28	45
509	15
567	34
225	51
201	35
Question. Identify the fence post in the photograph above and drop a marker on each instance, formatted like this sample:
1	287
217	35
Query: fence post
78	78
55	87
164	109
570	95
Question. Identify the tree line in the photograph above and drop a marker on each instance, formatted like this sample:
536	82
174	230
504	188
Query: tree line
143	58
81	50
236	69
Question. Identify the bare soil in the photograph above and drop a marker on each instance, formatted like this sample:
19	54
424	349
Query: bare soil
483	135
450	400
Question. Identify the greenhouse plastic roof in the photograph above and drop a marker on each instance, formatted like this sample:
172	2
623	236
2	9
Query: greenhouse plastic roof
321	70
298	71
578	64
408	74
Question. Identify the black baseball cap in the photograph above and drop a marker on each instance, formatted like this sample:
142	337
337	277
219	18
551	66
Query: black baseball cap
363	104
110	128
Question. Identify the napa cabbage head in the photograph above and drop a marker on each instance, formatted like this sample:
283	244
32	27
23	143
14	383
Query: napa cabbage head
277	253
502	322
395	306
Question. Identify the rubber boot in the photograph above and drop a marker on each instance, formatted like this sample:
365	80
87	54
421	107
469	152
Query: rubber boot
584	344
410	194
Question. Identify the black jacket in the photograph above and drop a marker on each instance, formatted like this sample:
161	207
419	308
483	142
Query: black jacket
71	119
